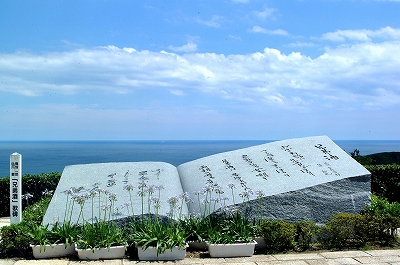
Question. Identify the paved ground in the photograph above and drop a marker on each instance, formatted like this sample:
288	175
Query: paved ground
377	257
372	257
4	221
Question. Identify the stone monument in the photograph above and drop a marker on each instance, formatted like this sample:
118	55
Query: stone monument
297	179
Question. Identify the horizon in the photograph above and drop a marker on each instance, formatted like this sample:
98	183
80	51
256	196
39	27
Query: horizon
194	140
49	156
234	69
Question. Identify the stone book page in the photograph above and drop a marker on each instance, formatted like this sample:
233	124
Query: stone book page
116	190
251	174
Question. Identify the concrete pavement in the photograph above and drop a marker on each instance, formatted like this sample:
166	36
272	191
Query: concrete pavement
376	257
4	221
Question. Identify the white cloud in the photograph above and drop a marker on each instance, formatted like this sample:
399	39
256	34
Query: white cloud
274	99
189	47
301	44
362	35
266	13
363	75
235	37
342	35
258	29
381	97
177	92
214	22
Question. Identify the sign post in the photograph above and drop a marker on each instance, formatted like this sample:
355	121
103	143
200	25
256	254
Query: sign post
15	188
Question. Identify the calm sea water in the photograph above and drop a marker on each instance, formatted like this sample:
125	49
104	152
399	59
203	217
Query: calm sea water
51	156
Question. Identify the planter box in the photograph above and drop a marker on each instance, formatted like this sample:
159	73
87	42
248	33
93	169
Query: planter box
52	251
117	252
231	250
150	253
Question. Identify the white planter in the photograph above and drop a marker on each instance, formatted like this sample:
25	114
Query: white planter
52	251
117	252
231	250
150	253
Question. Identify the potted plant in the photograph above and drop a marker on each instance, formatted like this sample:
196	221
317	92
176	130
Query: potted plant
257	222
157	240
196	231
100	240
231	237
55	242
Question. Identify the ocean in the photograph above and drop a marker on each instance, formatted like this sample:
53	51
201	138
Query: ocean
52	156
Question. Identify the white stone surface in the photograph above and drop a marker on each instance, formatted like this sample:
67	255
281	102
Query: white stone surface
296	177
113	177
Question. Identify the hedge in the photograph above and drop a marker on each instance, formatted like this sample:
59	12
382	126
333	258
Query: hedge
32	184
385	181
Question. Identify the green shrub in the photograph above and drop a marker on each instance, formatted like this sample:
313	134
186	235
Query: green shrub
378	228
363	160
385	181
382	218
35	185
306	232
356	230
35	213
382	206
339	232
15	240
278	235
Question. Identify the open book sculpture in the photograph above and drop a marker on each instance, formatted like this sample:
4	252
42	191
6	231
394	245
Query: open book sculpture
296	179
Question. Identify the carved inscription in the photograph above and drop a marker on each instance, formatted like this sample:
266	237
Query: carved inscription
143	176
207	174
328	169
327	153
295	155
260	172
126	177
157	172
269	158
297	159
235	175
114	179
228	165
111	180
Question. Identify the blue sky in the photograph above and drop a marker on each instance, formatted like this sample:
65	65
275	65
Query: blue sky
231	69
